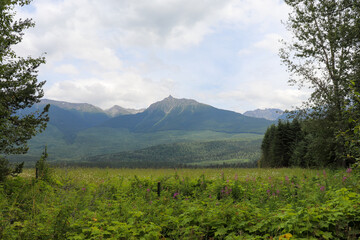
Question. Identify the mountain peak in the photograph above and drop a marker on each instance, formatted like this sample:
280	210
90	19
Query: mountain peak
167	104
267	113
116	110
82	107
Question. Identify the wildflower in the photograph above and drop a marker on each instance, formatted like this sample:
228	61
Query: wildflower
277	191
322	188
324	173
210	196
148	190
348	170
344	178
287	178
83	189
175	194
236	177
285	236
94	219
268	191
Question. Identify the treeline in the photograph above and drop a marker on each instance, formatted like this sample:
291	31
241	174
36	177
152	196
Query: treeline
212	154
182	155
138	164
304	143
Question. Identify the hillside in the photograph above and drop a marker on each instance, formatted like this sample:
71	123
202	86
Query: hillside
77	131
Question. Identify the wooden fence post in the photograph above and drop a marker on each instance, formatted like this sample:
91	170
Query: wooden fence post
158	188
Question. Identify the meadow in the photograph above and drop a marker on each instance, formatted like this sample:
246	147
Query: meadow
230	203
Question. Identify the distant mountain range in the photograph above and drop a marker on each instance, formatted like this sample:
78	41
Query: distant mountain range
78	130
86	107
268	113
187	115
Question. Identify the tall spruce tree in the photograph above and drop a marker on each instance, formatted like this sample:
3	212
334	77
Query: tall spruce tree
19	89
323	55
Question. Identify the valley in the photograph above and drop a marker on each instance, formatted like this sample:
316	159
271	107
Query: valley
85	133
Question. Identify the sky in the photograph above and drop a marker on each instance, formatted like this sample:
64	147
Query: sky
133	53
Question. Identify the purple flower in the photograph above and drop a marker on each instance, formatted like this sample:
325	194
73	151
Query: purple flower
324	173
348	170
344	178
83	189
236	177
287	178
268	191
322	188
277	191
210	196
148	190
175	194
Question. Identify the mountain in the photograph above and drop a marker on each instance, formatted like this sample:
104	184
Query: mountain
116	110
187	115
268	113
81	107
79	130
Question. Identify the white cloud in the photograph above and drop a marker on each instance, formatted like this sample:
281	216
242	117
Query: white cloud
66	69
125	90
265	96
117	52
271	42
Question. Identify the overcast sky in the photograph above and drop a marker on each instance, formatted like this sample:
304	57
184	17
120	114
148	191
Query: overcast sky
135	52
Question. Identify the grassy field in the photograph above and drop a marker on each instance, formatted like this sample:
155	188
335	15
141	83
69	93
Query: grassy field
90	203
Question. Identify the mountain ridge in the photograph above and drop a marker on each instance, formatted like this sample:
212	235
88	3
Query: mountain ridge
187	114
267	113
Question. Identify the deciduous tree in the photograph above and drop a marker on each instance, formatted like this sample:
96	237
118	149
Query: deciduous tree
323	55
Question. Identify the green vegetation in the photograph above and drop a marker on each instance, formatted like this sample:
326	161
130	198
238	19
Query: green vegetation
101	141
19	90
212	153
324	55
193	204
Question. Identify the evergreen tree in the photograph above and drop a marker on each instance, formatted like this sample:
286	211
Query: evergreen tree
19	89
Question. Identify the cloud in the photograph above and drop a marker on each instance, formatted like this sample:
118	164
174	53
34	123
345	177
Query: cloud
133	52
125	90
66	69
271	42
265	97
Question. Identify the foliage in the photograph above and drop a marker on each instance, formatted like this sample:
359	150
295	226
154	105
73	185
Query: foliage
19	88
324	56
42	168
193	204
352	135
182	154
279	144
